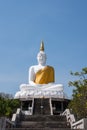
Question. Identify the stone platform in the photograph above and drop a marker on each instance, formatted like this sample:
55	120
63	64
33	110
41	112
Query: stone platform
44	106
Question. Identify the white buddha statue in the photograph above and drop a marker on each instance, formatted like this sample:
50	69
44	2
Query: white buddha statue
41	79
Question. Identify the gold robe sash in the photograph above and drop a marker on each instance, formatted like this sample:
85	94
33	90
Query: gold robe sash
45	75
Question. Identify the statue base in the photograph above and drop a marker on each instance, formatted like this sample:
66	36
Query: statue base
43	106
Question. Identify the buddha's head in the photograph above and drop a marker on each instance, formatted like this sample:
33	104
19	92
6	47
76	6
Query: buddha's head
41	56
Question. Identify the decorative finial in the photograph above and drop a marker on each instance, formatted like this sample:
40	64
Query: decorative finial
42	46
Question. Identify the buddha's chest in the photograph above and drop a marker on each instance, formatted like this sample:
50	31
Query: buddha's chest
36	69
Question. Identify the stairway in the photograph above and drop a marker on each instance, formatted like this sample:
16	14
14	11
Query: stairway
42	122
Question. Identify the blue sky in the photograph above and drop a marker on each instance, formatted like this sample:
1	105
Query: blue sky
61	24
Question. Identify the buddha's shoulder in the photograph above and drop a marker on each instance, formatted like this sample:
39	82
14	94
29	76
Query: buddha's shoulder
51	67
33	67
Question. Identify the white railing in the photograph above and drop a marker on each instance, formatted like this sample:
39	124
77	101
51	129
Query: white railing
15	116
81	124
70	117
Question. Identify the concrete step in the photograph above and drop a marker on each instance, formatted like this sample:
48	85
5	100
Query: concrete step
43	121
43	118
42	124
41	129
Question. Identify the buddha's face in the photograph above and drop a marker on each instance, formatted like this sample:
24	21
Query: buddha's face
41	57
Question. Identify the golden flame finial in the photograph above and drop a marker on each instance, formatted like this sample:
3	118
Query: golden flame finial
42	46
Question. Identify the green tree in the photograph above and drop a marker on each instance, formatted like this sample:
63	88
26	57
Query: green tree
8	105
78	103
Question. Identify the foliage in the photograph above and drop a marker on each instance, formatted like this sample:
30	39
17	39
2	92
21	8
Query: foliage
79	102
8	105
6	95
